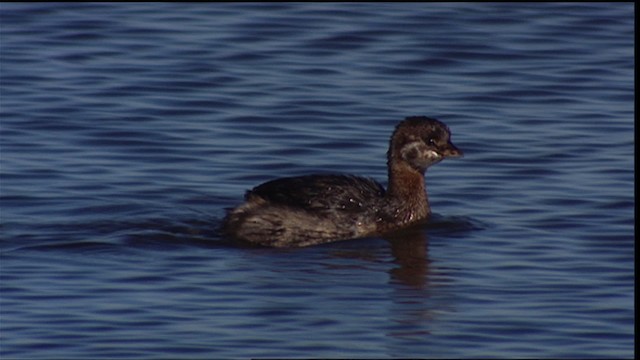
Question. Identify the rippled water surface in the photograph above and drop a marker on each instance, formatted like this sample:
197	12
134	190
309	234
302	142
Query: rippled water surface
127	129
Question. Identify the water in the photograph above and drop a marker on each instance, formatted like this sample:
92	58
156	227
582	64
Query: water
127	129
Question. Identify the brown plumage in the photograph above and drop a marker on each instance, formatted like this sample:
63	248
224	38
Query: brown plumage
314	209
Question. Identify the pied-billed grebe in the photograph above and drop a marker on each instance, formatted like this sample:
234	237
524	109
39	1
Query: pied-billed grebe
314	209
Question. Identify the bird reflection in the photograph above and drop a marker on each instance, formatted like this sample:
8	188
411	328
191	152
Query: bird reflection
411	252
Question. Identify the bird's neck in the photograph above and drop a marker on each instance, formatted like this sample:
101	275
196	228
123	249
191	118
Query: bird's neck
408	191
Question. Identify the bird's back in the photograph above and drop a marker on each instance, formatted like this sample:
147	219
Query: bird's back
320	192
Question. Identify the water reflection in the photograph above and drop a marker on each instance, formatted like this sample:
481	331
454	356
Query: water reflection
412	310
410	250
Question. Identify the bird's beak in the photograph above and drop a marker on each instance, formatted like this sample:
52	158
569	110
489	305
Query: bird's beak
451	150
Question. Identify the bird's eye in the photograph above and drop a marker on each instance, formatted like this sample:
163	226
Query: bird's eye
430	141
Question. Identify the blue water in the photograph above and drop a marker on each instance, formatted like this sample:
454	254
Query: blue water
127	129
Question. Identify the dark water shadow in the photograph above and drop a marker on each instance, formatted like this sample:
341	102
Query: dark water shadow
123	236
453	225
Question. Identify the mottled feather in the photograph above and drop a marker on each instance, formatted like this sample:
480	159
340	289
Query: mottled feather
324	192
